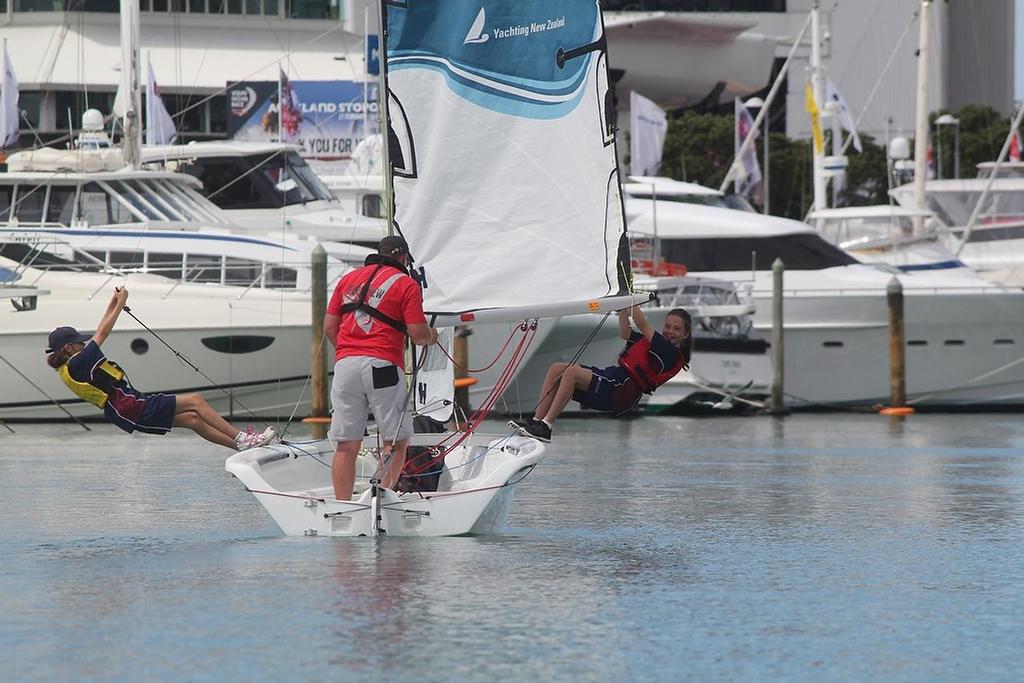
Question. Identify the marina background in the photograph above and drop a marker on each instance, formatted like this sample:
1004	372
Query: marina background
815	547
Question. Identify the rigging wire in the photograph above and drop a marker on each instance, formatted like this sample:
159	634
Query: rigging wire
185	361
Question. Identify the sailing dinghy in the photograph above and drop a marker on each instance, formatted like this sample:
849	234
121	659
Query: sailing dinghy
503	179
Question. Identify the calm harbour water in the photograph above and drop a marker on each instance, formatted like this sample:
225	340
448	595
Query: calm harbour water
818	547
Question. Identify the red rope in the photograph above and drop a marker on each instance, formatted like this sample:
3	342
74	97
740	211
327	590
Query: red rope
489	365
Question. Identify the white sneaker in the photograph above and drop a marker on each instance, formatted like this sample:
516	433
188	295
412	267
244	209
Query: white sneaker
251	439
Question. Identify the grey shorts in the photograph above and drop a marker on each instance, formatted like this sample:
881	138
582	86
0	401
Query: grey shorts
363	384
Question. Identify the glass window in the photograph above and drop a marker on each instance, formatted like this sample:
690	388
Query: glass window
230	185
168	265
6	194
373	206
38	5
798	252
160	5
29	102
197	6
242	271
202	268
281	278
154	197
252	6
62	202
140	203
234	6
97	207
28	203
312	9
270	7
78	102
125	259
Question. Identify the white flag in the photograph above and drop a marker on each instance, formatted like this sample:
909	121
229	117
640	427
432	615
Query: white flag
9	113
833	95
159	125
648	126
748	173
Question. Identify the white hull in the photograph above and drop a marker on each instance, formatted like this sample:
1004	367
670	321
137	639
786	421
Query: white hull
293	483
962	349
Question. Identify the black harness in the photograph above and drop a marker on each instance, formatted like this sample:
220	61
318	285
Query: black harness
366	308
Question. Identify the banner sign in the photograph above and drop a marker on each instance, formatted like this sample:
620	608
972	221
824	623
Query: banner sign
335	115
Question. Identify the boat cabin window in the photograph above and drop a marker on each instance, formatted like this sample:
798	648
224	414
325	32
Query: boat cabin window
799	252
203	268
98	207
373	206
29	202
60	208
6	195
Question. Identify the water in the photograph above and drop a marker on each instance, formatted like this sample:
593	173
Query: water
819	547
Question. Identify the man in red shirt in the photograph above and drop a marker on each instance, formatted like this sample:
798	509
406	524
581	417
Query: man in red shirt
372	311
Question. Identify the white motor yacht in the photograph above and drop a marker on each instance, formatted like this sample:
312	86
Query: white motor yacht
963	334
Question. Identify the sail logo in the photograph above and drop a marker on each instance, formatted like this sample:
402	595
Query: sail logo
476	33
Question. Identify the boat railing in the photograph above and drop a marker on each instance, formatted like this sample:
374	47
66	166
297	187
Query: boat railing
176	273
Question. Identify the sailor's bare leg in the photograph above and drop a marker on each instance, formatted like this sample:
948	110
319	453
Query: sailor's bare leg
343	469
575	377
195	422
547	392
197	404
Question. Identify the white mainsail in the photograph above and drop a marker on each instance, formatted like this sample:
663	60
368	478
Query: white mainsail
505	182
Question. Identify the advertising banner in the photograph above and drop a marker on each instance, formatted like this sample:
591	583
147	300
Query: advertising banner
326	118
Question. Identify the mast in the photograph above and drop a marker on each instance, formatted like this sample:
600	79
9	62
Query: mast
382	108
818	90
921	123
130	82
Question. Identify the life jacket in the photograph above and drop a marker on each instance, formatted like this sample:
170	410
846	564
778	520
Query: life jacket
97	390
362	306
636	360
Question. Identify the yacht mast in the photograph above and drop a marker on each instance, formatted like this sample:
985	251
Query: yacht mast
130	88
818	90
921	123
385	126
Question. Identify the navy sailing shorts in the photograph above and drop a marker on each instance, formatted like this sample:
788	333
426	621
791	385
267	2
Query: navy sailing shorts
610	390
133	411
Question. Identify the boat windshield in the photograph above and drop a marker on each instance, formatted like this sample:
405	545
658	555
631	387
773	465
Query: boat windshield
265	181
1001	207
802	251
104	202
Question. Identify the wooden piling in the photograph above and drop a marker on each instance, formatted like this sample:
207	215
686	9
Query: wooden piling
897	347
320	406
460	352
776	405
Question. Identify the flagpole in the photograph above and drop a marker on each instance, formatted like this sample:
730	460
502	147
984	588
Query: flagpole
767	103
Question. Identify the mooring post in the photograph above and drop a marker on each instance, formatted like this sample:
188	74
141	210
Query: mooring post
897	348
776	406
319	402
460	352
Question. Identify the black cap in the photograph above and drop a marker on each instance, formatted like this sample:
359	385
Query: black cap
65	335
394	246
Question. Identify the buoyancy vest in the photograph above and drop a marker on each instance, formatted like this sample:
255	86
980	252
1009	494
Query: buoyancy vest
364	307
636	360
97	390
